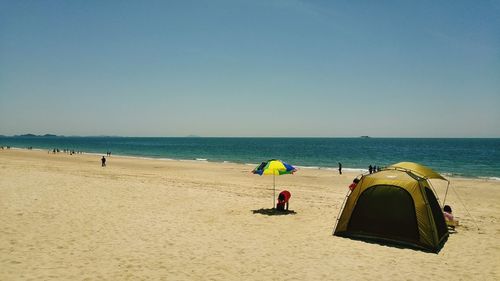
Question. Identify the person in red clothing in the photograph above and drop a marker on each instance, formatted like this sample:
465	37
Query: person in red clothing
283	199
354	183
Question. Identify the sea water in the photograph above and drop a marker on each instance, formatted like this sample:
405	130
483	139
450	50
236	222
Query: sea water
458	157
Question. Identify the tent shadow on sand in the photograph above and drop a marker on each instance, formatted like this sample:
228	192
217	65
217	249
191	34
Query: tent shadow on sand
391	244
273	212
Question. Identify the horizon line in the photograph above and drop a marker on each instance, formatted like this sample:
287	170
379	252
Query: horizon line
28	135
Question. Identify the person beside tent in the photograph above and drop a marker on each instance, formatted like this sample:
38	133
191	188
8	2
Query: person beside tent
451	221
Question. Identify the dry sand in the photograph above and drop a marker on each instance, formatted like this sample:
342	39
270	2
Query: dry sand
65	217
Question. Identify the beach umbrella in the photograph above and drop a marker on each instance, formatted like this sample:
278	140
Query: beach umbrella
275	168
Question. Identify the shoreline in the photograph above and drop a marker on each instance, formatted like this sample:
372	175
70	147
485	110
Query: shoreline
198	160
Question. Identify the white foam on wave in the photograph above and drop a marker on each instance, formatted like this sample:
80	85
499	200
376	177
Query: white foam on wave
127	156
358	170
310	167
201	159
94	153
164	159
491	178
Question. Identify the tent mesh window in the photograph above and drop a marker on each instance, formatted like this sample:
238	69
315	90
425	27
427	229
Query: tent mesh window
436	213
385	211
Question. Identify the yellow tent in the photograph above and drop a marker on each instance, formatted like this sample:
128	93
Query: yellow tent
395	205
417	169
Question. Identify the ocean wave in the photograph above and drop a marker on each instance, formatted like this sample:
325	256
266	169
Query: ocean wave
311	167
491	178
164	159
355	170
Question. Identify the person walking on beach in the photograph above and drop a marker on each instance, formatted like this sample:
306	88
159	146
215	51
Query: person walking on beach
103	161
340	168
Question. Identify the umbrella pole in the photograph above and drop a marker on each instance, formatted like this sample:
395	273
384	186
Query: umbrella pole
274	191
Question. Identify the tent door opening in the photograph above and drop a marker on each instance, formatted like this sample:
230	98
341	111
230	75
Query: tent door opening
385	211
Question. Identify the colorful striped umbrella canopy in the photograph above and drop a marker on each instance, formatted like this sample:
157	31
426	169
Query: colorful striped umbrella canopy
276	168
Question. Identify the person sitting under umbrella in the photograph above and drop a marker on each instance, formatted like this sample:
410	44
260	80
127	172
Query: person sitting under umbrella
283	199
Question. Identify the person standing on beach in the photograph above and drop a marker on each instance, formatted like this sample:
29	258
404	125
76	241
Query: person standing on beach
340	168
103	161
370	169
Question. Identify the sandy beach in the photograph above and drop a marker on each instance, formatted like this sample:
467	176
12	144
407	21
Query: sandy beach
64	217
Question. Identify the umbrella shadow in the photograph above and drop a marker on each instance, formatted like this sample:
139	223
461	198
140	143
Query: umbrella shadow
273	212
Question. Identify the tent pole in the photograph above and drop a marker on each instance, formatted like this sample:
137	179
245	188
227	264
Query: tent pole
435	192
446	193
340	211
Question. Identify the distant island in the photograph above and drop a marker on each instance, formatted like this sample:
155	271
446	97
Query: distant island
35	136
365	137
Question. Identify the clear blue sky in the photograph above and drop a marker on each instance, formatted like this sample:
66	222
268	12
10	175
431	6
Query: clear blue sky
250	68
